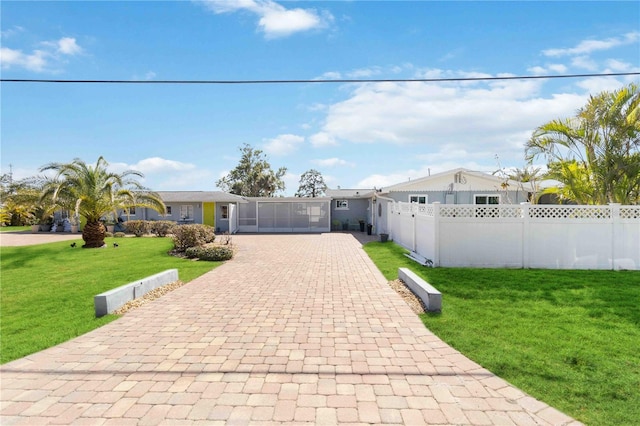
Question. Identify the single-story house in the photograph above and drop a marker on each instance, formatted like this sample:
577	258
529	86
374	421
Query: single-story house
458	186
340	209
215	208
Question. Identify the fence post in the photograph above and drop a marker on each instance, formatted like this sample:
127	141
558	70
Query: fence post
525	234
615	231
436	233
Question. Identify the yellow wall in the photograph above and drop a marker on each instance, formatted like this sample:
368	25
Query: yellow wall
209	214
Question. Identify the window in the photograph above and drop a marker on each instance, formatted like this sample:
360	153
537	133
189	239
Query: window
486	199
186	211
132	211
419	199
342	205
168	213
224	212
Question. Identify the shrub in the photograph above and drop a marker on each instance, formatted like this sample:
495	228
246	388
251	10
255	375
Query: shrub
108	234
161	228
137	227
211	253
119	235
185	236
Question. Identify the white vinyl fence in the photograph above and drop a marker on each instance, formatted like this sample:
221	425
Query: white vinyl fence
519	236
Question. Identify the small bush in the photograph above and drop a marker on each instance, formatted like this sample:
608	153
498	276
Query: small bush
210	253
137	227
119	235
161	228
185	236
108	234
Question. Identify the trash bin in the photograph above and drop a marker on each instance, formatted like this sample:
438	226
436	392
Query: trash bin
384	238
369	228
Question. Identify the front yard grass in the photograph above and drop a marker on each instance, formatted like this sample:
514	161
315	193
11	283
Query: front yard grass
568	338
47	290
14	228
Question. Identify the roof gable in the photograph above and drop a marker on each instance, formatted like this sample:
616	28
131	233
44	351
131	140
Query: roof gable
456	179
199	197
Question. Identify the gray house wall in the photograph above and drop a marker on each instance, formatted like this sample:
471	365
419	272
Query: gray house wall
460	197
150	214
358	208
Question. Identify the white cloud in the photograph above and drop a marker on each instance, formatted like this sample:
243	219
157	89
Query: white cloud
599	84
559	68
189	180
323	139
291	183
434	113
462	122
333	162
283	144
615	65
584	62
16	29
586	47
330	75
68	46
365	72
36	61
274	19
154	165
40	60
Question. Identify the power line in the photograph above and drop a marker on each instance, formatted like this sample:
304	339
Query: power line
359	80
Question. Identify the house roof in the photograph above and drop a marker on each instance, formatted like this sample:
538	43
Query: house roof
349	193
199	197
289	199
414	184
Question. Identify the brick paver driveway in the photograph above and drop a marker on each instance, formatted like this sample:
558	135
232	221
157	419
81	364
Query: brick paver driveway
296	329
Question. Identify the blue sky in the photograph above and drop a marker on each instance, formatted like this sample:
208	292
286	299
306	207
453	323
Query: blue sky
185	137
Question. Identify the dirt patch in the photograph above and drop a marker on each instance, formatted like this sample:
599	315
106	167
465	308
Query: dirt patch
412	300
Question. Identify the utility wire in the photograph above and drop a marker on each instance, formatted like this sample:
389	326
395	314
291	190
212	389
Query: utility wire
359	80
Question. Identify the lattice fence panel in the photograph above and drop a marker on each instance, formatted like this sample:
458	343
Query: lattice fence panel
570	212
630	212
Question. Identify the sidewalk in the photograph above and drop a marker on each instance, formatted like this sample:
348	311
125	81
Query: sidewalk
26	238
296	329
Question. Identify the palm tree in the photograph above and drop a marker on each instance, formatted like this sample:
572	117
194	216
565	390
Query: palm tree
596	154
93	191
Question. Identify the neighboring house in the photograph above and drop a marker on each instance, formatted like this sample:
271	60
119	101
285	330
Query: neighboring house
215	208
349	207
458	186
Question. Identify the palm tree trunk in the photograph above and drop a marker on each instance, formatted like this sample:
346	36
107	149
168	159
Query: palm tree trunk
93	235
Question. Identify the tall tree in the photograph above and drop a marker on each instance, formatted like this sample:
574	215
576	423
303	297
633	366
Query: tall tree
253	176
311	184
596	154
93	191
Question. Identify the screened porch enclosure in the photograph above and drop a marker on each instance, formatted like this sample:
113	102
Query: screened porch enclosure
284	216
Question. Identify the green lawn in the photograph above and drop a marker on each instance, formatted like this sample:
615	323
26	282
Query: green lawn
14	228
47	290
568	338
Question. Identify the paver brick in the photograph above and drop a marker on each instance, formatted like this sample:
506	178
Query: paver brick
297	328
